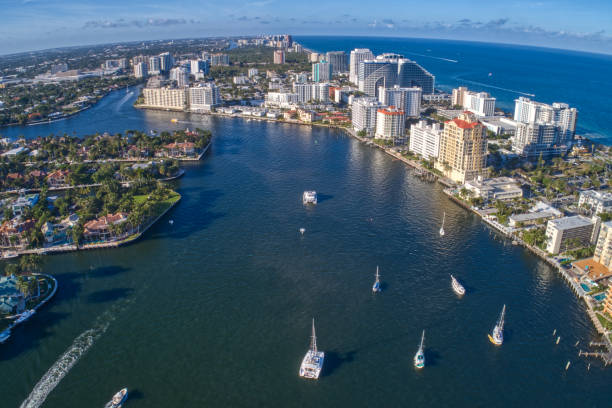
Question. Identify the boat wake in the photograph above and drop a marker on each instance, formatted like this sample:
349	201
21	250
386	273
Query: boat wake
431	56
64	364
496	87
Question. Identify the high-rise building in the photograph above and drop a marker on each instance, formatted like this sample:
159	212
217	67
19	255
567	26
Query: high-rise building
603	248
425	139
320	92
321	71
338	61
140	70
204	97
154	65
608	302
410	74
357	56
390	124
253	72
303	91
165	98
479	103
165	62
406	99
59	67
374	74
180	75
308	92
314	57
199	65
597	201
363	114
558	122
463	149
139	58
279	57
219	60
388	70
567	233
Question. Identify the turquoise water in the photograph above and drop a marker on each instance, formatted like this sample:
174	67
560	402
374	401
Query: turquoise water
579	79
215	309
586	287
600	297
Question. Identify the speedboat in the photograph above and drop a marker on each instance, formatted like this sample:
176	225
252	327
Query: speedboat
376	287
118	399
24	316
312	364
442	227
4	336
309	197
419	357
302	231
497	336
457	287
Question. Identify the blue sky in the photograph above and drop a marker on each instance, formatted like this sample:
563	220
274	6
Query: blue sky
38	24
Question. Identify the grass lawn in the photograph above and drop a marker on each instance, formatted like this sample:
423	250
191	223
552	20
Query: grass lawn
607	324
161	206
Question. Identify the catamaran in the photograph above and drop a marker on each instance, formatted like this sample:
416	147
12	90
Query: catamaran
312	364
419	357
442	227
118	399
309	197
497	336
376	287
457	287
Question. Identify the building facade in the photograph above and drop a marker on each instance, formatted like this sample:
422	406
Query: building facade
199	65
479	103
463	149
425	139
154	65
219	60
567	233
204	97
363	114
165	98
321	71
140	70
390	124
603	248
338	61
406	99
180	75
279	57
357	56
597	201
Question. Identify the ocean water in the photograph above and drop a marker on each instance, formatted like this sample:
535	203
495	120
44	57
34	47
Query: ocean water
215	309
583	80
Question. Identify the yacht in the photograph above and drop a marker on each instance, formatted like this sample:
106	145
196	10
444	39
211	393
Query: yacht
309	197
312	364
4	336
442	227
419	357
24	316
376	287
118	399
497	336
457	287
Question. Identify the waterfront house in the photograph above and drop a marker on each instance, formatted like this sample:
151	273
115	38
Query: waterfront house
61	232
500	188
58	178
14	232
540	212
100	229
12	301
24	202
180	149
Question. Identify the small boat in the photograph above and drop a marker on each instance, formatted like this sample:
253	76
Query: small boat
4	336
376	287
171	222
457	287
302	231
490	74
497	336
309	197
442	227
118	399
312	364
419	357
24	316
174	120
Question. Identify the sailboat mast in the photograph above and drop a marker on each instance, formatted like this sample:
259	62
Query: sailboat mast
422	339
313	339
377	275
501	318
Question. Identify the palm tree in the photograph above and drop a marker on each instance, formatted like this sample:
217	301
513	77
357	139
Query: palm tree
30	263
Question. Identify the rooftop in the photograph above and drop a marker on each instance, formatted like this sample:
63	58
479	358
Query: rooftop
595	270
575	221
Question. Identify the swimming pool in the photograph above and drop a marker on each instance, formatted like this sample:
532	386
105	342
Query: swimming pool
599	297
585	287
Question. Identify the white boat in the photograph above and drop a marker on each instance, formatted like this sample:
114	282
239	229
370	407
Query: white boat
376	287
497	336
4	336
312	364
419	357
171	222
302	231
309	197
442	227
457	287
118	399
24	316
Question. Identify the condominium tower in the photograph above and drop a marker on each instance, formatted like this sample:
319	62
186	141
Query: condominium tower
357	56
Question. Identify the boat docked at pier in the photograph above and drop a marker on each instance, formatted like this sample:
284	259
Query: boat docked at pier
118	399
312	364
457	287
4	336
309	197
419	357
376	287
497	335
24	316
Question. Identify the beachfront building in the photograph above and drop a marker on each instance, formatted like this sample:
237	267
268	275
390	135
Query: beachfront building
463	149
357	56
542	128
390	124
603	248
338	61
204	97
597	201
406	99
479	103
165	98
499	188
568	233
425	139
321	71
376	74
363	114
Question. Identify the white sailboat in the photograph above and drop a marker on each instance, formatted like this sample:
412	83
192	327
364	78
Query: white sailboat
497	336
457	287
419	357
312	364
442	227
376	287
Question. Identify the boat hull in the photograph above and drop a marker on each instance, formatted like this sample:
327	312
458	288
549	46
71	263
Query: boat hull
494	340
312	365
